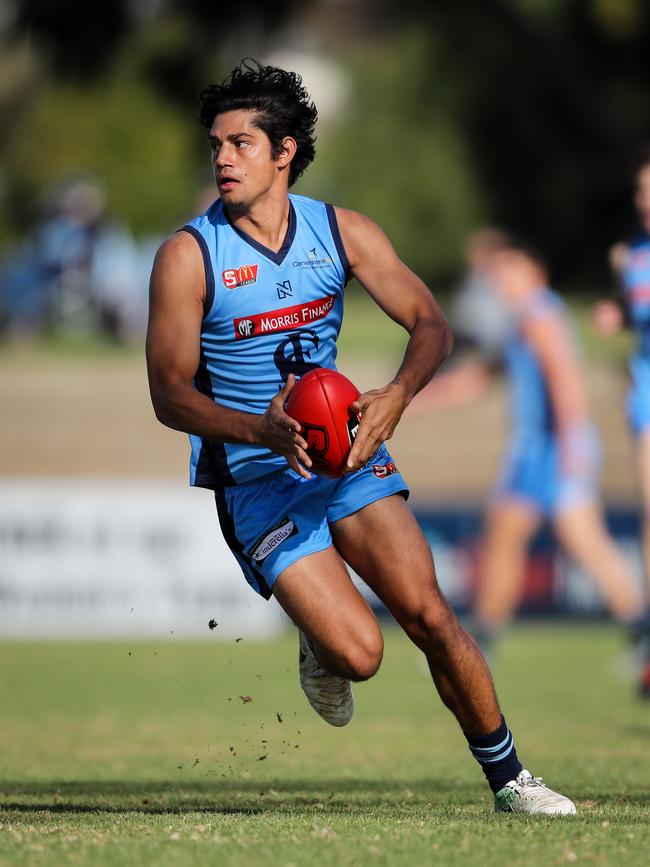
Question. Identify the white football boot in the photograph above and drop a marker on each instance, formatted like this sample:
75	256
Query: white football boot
528	794
329	695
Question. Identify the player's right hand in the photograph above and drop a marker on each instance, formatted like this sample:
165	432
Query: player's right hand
281	433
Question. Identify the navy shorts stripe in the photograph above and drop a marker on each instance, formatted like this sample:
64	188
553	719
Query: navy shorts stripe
228	529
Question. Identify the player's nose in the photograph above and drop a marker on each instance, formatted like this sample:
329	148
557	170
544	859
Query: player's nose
225	156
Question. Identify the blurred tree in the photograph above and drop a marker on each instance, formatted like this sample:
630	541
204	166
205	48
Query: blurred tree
79	38
552	98
521	112
398	154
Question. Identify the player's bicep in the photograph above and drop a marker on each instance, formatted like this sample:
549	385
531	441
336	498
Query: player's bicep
176	294
400	293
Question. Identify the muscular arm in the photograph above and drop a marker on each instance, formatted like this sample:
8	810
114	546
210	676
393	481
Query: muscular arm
406	299
177	291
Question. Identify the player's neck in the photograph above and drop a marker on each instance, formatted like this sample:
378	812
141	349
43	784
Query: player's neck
266	220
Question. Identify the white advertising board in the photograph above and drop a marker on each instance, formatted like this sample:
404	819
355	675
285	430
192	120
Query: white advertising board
117	558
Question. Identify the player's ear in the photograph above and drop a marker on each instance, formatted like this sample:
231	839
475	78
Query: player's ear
286	151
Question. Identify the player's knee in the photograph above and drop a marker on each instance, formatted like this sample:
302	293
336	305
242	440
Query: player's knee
434	624
363	657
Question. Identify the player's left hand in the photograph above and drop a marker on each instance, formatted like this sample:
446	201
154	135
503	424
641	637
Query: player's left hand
380	411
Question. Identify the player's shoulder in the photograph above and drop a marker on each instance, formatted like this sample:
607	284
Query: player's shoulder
360	234
179	255
180	245
354	221
545	317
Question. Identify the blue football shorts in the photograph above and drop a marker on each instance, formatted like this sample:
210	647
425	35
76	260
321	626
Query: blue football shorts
274	521
532	473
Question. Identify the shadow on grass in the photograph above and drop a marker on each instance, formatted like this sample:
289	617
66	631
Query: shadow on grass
252	797
246	797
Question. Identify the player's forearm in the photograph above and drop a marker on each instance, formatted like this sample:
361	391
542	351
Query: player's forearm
430	343
183	408
572	417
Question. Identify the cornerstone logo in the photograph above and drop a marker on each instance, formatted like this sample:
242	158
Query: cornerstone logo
313	260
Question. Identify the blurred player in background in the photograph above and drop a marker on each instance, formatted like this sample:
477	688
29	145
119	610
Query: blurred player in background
631	264
552	458
482	326
244	299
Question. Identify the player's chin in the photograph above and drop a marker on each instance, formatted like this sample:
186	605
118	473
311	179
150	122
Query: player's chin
234	198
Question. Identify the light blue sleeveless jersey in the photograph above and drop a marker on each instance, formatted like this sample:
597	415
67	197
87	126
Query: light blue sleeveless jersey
267	315
532	413
532	469
636	285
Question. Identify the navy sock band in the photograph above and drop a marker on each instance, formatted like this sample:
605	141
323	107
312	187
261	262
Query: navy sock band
497	755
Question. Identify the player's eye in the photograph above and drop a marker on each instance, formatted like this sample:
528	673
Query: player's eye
214	147
241	143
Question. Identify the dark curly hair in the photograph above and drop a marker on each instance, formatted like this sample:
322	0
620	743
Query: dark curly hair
282	105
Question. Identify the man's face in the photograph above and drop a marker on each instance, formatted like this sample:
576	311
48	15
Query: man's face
642	196
514	275
243	166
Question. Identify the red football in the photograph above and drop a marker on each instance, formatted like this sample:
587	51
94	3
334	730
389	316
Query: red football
320	401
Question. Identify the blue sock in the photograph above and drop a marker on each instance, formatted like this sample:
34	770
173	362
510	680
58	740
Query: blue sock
497	755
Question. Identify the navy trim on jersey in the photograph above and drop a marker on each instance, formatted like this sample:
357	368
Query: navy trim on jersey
336	235
228	529
212	463
207	264
280	256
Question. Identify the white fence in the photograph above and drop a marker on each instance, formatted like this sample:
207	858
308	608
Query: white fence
116	558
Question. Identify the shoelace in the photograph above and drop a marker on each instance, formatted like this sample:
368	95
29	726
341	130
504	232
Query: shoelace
530	781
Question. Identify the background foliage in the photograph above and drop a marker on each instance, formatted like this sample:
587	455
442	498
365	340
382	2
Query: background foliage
519	112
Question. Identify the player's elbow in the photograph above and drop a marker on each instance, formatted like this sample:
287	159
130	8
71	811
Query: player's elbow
443	336
446	338
164	404
162	410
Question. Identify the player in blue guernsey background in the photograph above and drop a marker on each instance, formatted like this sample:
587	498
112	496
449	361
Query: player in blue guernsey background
631	262
248	297
552	458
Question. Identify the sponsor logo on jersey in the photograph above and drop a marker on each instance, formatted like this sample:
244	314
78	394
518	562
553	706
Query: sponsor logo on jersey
245	327
382	471
284	319
270	539
233	278
284	289
313	260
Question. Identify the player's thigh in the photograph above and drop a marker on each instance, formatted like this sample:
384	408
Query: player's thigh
511	521
317	593
384	544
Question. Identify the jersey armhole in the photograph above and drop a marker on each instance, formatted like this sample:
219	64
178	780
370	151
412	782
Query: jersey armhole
208	301
338	241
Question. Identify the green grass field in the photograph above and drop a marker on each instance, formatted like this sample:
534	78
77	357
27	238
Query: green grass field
151	753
